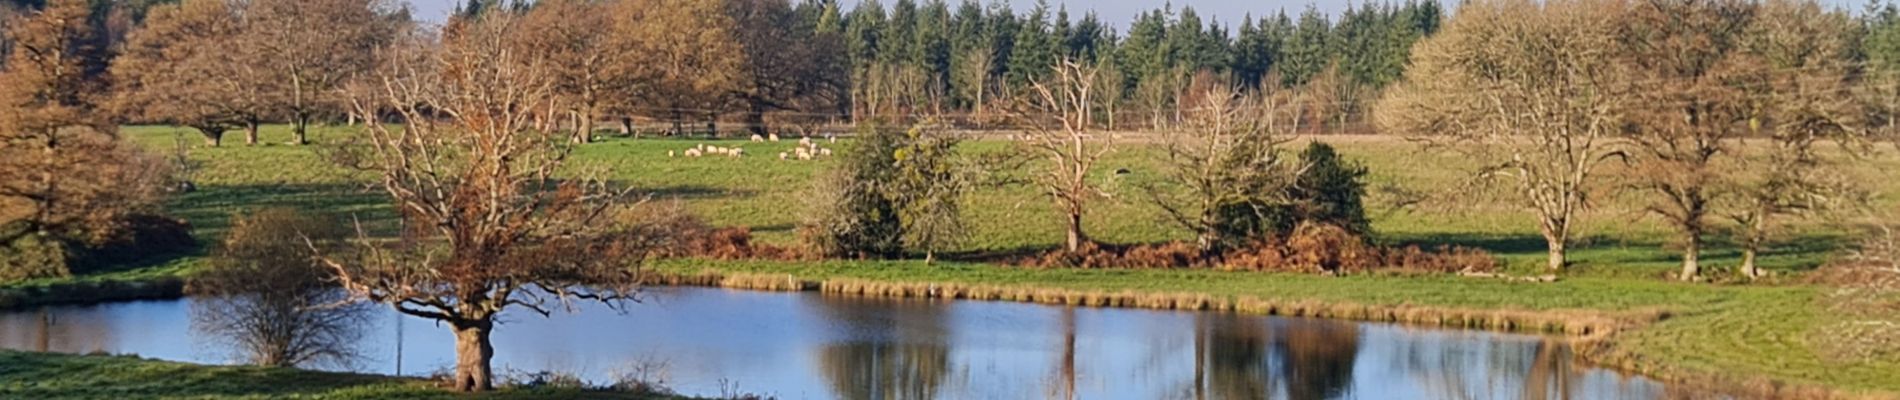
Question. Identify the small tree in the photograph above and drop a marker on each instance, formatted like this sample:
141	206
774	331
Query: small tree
1058	112
930	189
266	293
1228	163
1330	190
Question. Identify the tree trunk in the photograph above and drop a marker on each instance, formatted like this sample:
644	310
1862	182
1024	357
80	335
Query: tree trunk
250	132
1691	258
1075	232
626	126
756	118
302	129
1749	269
213	136
473	352
1558	256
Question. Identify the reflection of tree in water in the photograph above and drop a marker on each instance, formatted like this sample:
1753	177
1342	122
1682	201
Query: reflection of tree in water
1451	369
1316	357
1251	358
892	349
47	331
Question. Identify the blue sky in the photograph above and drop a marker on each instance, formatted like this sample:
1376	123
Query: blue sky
1120	12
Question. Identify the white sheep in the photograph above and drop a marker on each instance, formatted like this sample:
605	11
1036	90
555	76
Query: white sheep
773	138
757	138
832	138
736	152
803	154
669	154
782	156
694	153
805	141
824	152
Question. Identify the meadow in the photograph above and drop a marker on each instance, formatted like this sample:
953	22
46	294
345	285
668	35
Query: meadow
1729	332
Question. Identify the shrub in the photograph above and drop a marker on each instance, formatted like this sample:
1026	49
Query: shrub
33	257
1329	190
1313	248
852	214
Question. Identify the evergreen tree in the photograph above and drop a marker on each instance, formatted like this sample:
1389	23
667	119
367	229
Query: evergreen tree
1306	51
1034	52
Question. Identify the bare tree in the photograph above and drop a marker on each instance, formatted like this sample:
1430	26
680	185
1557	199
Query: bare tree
178	69
266	294
685	59
493	227
1227	154
572	35
1807	54
1058	114
1690	56
1532	91
310	48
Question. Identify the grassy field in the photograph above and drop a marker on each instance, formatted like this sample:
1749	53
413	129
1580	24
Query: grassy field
1742	332
53	377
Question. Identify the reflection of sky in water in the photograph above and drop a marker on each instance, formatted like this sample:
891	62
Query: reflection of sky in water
799	346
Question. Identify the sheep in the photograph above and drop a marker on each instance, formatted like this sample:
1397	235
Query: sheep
736	152
782	156
803	153
669	154
832	138
824	152
693	153
773	138
758	139
805	141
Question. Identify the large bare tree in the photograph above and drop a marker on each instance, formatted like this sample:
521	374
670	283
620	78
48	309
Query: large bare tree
491	226
1690	56
1057	113
1531	90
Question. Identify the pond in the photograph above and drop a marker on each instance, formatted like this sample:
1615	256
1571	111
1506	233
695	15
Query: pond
811	346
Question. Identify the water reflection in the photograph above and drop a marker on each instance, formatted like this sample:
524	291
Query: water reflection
887	349
804	346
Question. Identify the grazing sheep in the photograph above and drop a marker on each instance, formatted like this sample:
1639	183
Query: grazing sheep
805	141
669	154
693	153
736	152
757	138
824	152
782	156
773	138
832	138
803	153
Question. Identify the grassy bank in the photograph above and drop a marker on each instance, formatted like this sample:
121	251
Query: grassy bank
52	376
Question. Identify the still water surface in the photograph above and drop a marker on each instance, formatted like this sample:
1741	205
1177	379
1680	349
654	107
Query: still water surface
809	346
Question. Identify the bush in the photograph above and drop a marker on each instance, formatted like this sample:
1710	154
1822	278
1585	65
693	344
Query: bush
33	257
1329	190
138	237
853	215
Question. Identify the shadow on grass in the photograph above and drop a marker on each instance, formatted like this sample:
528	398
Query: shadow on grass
695	192
211	209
